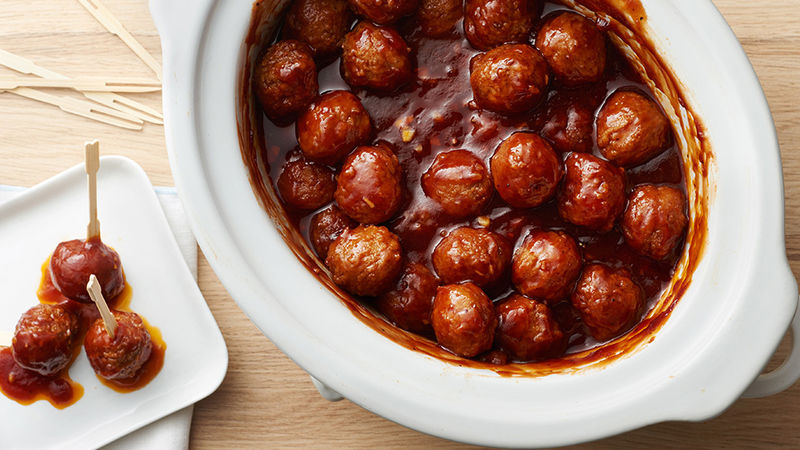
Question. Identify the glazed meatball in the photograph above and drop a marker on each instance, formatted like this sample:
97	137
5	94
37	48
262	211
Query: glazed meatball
383	11
306	185
375	57
525	170
286	80
332	127
321	24
72	263
574	48
569	124
123	356
546	265
489	23
463	319
608	300
365	260
593	192
439	17
654	220
369	187
326	226
459	182
509	79
527	330
44	339
495	357
471	254
631	129
409	304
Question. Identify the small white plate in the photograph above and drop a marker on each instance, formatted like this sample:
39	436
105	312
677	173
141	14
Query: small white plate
163	291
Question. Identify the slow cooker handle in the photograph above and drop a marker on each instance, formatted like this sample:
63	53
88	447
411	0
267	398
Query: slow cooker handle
180	24
784	376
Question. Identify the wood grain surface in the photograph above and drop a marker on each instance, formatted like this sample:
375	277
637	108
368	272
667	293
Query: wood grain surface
266	400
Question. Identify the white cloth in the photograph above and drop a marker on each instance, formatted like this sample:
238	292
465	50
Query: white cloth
171	432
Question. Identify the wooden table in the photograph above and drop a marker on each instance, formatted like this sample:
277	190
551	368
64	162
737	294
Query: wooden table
265	399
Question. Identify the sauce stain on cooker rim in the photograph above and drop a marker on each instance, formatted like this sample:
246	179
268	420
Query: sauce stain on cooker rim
624	21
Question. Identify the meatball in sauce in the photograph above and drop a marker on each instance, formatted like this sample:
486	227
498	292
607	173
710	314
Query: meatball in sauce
489	23
332	127
375	57
321	24
286	80
509	79
459	182
487	160
574	48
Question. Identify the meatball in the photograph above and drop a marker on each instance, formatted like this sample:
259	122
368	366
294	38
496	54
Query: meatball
631	129
608	301
369	187
463	319
366	260
527	330
306	185
332	127
546	265
375	57
72	263
459	182
489	23
525	170
409	304
569	124
574	48
471	254
286	80
44	339
509	79
120	357
494	357
654	220
593	192
383	11
438	17
326	226
321	24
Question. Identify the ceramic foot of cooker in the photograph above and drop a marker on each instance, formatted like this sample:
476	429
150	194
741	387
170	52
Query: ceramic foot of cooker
326	392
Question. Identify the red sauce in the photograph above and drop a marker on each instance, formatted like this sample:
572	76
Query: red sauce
439	110
26	387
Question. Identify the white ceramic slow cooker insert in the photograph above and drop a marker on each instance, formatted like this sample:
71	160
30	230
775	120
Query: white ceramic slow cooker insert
721	333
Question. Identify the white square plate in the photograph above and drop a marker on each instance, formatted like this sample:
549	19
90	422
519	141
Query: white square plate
163	291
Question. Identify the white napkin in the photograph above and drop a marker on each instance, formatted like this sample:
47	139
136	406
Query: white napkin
171	432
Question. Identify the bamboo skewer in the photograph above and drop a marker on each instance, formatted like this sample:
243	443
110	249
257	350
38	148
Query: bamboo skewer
96	293
104	16
127	106
83	84
92	163
82	108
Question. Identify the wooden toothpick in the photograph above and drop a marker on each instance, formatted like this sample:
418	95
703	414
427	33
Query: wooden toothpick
96	293
135	85
92	165
97	9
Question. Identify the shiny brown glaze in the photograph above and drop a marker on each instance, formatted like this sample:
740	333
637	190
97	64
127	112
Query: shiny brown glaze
456	123
45	338
74	261
26	387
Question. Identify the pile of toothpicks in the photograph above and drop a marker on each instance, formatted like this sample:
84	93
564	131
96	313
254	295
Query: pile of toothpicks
103	100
